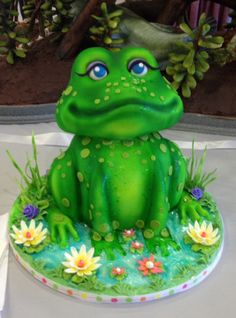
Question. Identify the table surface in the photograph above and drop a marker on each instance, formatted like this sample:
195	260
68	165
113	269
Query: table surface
214	297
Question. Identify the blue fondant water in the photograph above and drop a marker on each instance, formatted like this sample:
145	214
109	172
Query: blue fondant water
53	256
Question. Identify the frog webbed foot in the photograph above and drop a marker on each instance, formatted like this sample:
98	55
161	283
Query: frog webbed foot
60	226
109	245
192	208
162	242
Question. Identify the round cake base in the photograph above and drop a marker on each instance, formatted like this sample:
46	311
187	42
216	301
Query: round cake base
179	270
100	298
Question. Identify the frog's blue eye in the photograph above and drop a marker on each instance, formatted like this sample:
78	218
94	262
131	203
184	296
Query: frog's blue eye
97	71
138	67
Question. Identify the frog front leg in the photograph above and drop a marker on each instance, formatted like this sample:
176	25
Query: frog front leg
64	189
104	237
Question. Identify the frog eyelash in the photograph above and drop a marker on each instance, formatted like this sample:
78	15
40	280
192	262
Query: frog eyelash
90	67
135	61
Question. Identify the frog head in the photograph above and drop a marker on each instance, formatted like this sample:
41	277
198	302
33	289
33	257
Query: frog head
117	95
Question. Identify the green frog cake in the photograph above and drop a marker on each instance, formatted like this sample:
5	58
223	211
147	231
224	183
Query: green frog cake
122	215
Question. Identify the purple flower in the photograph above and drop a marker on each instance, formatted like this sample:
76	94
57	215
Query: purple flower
30	211
197	193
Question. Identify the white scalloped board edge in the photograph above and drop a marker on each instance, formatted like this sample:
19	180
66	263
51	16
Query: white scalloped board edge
99	298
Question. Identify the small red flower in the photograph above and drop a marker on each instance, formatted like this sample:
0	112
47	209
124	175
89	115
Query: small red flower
117	271
150	266
136	245
129	233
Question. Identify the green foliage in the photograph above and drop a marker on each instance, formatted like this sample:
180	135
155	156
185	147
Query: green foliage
105	31
225	54
195	175
50	15
12	43
34	188
188	65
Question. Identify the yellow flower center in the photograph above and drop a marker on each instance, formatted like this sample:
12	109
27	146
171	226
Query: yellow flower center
28	235
149	265
81	263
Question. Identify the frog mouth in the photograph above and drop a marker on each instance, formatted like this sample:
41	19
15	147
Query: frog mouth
125	105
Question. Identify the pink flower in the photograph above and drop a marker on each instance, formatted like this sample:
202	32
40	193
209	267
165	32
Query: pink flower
136	245
150	266
117	271
129	233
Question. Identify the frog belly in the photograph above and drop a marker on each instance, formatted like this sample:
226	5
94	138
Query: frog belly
128	193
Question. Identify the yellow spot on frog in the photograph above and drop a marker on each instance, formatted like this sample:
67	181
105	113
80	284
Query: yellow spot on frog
180	187
107	142
170	172
117	91
98	146
144	161
84	153
108	84
104	227
163	148
128	143
156	135
106	98
85	141
148	233
91	206
74	93
107	90
61	101
152	94
140	224
125	155
162	98
110	164
154	224
69	163
144	88
101	160
80	176
57	111
63	175
126	84
144	138
153	158
138	90
168	86
138	152
116	84
172	149
59	167
65	202
143	80
97	101
123	78
68	90
87	185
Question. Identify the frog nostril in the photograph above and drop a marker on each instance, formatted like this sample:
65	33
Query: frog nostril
73	109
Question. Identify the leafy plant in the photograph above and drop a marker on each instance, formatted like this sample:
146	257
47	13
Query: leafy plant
106	31
49	15
12	43
34	188
195	175
225	54
191	62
